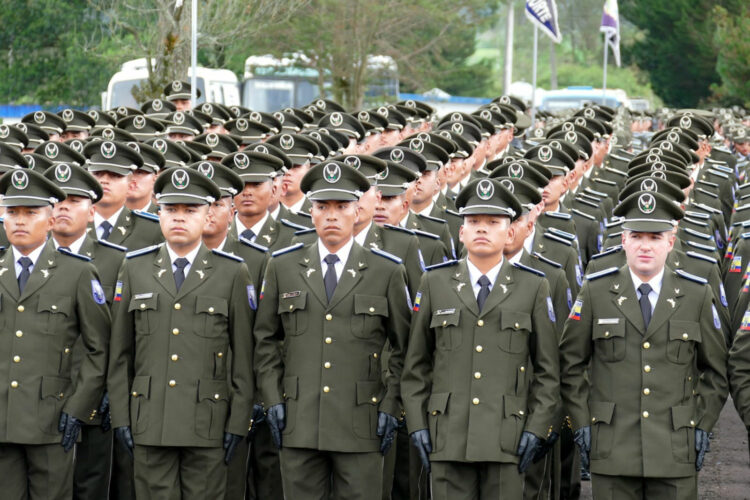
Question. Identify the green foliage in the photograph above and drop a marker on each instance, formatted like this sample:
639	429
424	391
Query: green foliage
733	46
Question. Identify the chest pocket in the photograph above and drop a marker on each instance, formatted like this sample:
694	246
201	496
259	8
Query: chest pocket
212	316
145	310
609	341
447	331
369	312
683	336
515	328
53	310
292	309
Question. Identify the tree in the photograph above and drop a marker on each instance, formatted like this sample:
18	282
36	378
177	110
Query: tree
733	47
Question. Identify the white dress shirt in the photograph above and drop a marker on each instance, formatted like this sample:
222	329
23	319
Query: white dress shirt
190	258
362	235
75	247
475	274
342	254
655	284
34	256
98	219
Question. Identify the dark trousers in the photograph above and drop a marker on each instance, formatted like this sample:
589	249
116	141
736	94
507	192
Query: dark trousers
35	472
327	475
403	475
255	473
476	481
92	464
179	473
121	483
643	488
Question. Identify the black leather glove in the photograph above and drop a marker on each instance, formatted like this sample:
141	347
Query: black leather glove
276	416
582	438
259	416
230	444
528	447
701	446
421	441
125	437
387	425
70	428
546	446
104	413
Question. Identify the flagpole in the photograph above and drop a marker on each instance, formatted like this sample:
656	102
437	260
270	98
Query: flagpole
604	79
533	80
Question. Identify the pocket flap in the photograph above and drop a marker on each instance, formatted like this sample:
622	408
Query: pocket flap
514	320
514	405
289	385
684	330
601	412
445	317
141	387
603	332
211	305
54	387
54	304
143	303
683	416
438	403
370	304
215	390
369	393
291	301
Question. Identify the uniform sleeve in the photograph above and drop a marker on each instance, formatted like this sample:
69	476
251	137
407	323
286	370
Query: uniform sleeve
121	352
416	380
561	298
94	323
575	353
414	265
398	335
739	375
712	364
241	318
269	336
544	391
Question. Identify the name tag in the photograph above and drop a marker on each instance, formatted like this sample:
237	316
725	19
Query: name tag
290	295
441	312
608	321
143	296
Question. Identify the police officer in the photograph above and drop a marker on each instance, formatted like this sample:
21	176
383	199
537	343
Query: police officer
177	401
475	409
333	305
51	299
650	339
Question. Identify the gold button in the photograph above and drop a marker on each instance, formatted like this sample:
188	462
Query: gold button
62	395
54	307
475	401
645	414
177	306
685	336
66	350
19	333
593	420
606	334
172	383
175	331
210	309
20	309
479	348
647	345
216	396
445	323
520	412
14	384
175	357
372	309
523	369
480	322
219	354
16	358
326	388
329	340
143	306
374	400
517	326
291	308
327	364
647	368
690	379
375	355
477	375
329	317
434	413
646	391
134	394
692	423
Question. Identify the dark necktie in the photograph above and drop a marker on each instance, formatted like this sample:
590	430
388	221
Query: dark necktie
106	230
25	263
645	289
330	280
248	234
179	274
484	291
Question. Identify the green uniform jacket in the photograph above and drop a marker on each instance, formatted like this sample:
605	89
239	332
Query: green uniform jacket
432	225
133	230
273	235
168	363
61	302
647	389
466	375
323	359
739	374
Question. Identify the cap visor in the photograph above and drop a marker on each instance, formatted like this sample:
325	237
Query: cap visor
332	194
100	167
647	226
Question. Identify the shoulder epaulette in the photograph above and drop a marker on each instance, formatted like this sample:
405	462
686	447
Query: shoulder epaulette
707	248
614	221
399	228
69	253
561	233
146	215
717	173
723	168
590	198
613	235
694	222
558	215
288	249
302	232
518	265
708	209
604	181
616	157
697	234
141	251
227	255
453	212
706	183
690	277
552	237
546	260
745	236
387	255
297	227
111	245
582	214
584	201
603	272
742	207
615	171
447	263
252	244
595	192
419	232
700	256
609	251
698	215
709	193
430	217
303	214
744	185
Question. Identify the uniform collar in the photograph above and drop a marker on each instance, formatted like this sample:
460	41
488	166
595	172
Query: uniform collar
475	274
75	247
190	257
654	282
98	219
362	236
342	254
